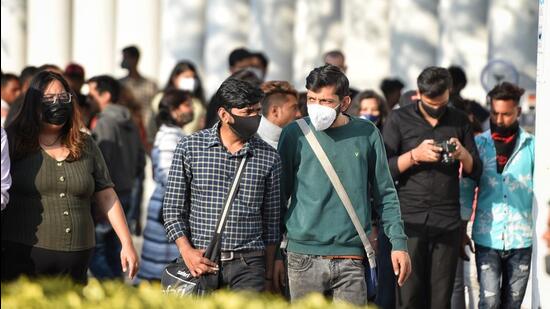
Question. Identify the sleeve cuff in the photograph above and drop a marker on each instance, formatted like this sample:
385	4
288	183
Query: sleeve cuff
175	230
399	245
465	213
394	170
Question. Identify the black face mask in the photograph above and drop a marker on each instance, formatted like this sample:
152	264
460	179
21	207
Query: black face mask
57	113
124	64
245	127
504	131
184	118
434	112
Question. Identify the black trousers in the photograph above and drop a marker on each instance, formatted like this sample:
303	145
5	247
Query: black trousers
19	259
385	294
244	274
434	256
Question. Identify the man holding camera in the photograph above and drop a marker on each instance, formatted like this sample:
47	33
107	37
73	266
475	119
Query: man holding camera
427	144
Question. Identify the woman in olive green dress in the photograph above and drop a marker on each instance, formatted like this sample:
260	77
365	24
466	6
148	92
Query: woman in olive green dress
57	172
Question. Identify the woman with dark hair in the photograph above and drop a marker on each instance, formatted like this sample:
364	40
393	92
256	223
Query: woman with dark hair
57	171
184	76
175	111
370	106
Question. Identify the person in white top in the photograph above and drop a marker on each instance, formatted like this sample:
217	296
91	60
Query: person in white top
6	178
11	89
279	108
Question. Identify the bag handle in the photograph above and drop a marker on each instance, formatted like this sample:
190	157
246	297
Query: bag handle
337	184
214	248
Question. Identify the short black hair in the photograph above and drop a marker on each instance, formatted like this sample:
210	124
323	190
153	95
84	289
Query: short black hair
27	74
262	57
369	94
326	76
434	81
109	84
459	77
236	93
388	85
171	100
7	77
239	54
248	76
131	51
506	91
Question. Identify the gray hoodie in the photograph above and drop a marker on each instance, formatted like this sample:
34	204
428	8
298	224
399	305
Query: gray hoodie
118	139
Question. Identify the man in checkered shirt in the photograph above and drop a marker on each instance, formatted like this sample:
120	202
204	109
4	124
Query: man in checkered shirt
201	174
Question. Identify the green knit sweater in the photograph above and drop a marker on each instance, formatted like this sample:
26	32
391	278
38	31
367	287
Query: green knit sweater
316	220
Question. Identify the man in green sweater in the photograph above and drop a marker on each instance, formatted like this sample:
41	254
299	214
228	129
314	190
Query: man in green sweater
325	253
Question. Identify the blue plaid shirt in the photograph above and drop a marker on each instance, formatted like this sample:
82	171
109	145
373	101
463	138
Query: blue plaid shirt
199	179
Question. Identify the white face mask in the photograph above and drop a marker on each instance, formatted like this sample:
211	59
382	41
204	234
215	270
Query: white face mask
187	83
322	117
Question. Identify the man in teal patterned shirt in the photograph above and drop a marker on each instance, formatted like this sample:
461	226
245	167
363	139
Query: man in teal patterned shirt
503	223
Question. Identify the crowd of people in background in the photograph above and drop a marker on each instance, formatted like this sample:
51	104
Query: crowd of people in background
429	172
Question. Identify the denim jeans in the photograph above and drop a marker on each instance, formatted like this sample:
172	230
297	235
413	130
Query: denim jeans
503	276
105	262
341	279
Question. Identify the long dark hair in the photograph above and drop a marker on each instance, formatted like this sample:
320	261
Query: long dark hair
370	94
24	130
171	100
181	67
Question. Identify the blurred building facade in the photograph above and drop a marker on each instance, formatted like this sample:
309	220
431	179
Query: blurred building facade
394	38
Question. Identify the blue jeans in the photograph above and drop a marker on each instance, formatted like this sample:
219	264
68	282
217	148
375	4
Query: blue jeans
341	279
503	276
105	262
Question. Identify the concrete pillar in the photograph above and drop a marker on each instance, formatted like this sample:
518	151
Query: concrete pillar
512	36
137	22
317	29
463	41
182	35
14	35
414	38
227	28
272	33
49	32
94	35
366	42
541	210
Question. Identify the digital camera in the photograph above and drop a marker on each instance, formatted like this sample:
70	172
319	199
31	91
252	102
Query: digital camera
448	148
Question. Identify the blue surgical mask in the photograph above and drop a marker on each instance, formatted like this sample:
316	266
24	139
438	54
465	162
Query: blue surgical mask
372	118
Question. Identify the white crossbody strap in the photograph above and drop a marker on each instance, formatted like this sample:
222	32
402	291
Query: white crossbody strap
335	180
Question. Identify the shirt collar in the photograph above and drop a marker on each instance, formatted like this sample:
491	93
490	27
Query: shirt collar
269	130
214	140
523	137
5	105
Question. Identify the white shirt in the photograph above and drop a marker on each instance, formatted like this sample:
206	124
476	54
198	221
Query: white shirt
5	109
269	132
6	178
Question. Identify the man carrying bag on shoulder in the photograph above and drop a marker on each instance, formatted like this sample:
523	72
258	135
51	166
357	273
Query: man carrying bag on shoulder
203	172
330	194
